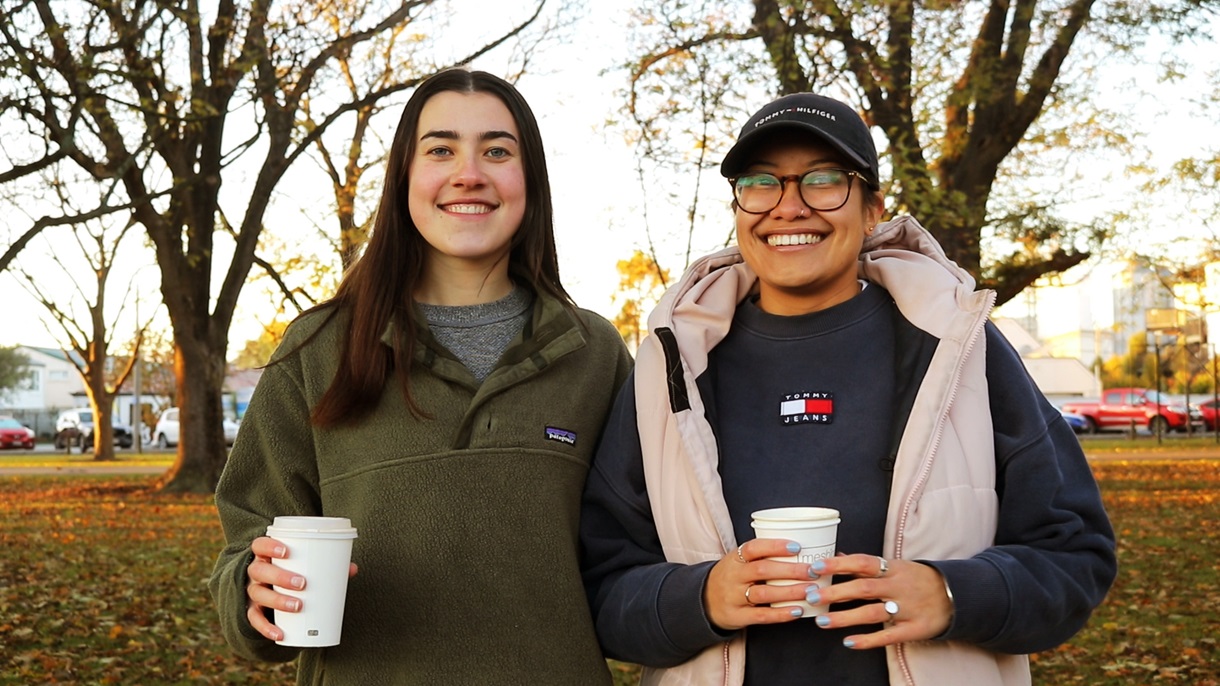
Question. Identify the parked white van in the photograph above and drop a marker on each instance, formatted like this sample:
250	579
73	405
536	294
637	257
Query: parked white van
166	431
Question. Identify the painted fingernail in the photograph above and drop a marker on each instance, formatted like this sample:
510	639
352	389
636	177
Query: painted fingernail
848	643
823	621
797	612
813	574
812	596
818	566
794	547
298	582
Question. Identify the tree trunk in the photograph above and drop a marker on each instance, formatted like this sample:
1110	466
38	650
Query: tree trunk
103	426
202	452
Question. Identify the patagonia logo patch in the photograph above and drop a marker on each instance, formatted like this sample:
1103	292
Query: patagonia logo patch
561	435
807	408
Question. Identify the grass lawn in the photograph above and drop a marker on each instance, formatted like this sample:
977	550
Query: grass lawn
123	458
102	583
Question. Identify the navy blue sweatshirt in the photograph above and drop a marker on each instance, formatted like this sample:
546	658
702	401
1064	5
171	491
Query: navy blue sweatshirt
650	611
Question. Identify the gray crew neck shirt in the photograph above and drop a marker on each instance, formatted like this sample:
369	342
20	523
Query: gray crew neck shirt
479	334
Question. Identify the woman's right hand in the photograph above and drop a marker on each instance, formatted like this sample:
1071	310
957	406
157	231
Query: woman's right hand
747	569
263	575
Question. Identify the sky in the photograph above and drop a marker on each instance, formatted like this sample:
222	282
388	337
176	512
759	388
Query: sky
598	214
571	102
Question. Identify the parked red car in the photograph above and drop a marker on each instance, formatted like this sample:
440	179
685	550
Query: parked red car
13	434
1120	408
1208	409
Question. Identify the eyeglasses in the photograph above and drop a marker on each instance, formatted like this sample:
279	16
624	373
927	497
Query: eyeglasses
823	190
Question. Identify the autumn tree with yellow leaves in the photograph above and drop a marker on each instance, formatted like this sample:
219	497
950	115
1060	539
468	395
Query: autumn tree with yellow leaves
641	282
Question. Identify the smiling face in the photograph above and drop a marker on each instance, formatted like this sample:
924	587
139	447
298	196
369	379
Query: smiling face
805	259
466	189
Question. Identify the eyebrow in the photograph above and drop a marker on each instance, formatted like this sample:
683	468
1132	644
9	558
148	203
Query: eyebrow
454	135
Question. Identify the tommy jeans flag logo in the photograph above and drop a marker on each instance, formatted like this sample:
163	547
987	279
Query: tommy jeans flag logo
808	407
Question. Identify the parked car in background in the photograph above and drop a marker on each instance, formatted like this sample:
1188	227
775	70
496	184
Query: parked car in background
14	434
166	431
1192	408
1207	411
1078	423
1120	408
74	427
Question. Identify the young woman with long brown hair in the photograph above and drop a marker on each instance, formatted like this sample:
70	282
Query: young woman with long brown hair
447	401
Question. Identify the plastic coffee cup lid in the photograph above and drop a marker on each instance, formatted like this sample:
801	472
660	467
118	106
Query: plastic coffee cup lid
792	514
322	527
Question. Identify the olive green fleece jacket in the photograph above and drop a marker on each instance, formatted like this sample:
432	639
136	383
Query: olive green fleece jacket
467	522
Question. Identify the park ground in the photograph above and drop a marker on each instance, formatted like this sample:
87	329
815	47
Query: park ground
103	581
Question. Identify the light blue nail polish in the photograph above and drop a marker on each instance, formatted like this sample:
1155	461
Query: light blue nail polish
794	547
797	612
818	566
812	596
823	621
813	574
848	643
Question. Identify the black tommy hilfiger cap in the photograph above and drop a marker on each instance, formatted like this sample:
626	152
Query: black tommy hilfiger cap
834	122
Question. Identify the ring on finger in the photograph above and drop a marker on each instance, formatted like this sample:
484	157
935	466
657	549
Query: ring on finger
748	589
883	567
739	555
891	608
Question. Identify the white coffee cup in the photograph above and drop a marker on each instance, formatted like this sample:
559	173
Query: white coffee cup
815	528
319	549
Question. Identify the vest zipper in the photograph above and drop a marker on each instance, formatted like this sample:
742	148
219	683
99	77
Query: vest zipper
955	382
724	652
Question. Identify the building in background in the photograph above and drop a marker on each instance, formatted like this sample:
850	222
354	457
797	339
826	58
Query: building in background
1059	378
54	384
49	387
1092	313
1211	302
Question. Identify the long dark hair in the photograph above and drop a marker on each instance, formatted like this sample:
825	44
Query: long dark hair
378	288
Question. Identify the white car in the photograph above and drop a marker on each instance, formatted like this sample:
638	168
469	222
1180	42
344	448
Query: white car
166	431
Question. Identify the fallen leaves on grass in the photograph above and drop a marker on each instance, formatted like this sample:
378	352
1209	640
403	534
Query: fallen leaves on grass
103	582
1158	625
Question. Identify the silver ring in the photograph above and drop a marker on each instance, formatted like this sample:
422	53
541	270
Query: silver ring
885	567
739	556
748	589
891	608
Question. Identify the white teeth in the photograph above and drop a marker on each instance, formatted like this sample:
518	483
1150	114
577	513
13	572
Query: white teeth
794	239
468	209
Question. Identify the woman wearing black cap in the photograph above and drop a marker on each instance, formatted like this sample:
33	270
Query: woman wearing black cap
972	529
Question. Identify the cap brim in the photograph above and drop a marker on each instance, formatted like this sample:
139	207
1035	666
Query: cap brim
738	156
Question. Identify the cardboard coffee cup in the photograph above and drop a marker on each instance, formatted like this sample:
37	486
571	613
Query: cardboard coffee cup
319	549
815	528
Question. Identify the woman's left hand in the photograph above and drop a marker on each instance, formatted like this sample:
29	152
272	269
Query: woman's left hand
916	591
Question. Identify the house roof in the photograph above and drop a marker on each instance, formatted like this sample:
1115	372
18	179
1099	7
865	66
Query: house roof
1018	336
1061	376
53	353
242	379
